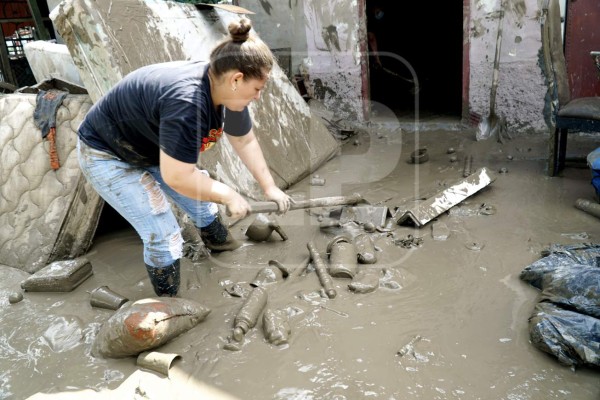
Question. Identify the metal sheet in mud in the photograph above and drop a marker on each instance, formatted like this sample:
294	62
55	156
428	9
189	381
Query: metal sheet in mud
428	209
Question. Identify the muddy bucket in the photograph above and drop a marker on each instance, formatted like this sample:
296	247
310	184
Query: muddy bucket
342	257
103	297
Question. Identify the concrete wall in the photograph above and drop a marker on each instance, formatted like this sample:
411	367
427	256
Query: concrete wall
325	38
334	57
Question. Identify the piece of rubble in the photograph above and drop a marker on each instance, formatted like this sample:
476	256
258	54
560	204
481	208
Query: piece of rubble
440	231
15	297
59	276
364	282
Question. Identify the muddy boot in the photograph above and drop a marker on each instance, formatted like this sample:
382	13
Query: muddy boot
165	280
217	237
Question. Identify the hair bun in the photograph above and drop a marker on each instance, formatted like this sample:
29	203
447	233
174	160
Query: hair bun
240	30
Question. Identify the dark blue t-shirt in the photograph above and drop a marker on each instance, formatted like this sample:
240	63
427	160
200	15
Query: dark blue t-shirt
165	106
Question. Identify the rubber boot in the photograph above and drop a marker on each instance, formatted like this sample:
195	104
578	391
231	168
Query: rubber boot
217	237
165	280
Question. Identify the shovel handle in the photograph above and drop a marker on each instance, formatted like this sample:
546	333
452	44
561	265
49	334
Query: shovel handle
271	206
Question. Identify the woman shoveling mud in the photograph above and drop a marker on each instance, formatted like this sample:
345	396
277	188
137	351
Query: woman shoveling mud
142	141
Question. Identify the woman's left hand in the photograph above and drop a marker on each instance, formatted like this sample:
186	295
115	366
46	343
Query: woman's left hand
278	196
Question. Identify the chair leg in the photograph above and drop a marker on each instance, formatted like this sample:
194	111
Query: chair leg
553	144
562	148
558	151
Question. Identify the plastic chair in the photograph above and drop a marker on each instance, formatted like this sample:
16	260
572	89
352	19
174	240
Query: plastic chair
575	115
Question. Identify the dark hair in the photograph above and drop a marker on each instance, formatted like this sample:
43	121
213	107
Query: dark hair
243	52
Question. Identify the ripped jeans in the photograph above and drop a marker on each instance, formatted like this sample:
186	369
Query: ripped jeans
138	194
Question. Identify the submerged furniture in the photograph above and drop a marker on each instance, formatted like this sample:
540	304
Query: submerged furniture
569	115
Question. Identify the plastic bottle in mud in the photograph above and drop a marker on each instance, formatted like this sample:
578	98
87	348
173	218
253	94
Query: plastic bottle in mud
248	315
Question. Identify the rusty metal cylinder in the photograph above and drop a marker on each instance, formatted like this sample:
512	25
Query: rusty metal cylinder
342	257
365	249
248	315
588	206
321	269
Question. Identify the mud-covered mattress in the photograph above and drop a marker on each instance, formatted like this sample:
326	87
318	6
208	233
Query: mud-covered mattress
45	214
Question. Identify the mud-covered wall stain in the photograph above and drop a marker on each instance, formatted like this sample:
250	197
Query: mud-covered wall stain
477	29
267	6
333	32
521	86
330	37
519	9
322	91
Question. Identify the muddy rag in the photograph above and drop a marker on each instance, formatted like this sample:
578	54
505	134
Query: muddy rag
44	117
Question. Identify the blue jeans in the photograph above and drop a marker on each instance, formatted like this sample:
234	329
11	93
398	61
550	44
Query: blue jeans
138	194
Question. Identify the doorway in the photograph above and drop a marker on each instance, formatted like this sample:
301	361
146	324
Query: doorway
424	40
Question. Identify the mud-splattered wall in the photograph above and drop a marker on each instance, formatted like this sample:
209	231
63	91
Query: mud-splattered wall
521	85
325	36
324	40
334	58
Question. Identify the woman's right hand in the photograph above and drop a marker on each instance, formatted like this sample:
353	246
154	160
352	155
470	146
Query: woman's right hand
237	206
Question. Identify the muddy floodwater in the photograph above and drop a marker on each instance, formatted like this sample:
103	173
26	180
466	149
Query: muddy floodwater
447	319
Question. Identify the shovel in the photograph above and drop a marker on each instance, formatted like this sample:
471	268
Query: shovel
356	208
271	206
493	123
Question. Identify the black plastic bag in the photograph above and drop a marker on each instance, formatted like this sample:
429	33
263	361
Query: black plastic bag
566	321
572	337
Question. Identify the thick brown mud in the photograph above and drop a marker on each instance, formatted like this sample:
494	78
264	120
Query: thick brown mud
447	320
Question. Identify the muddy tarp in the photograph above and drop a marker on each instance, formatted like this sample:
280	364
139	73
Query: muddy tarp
566	320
